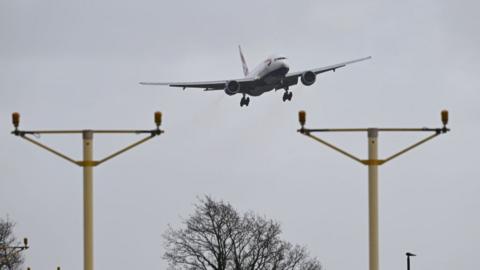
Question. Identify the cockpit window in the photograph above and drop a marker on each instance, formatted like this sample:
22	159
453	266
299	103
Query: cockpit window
279	58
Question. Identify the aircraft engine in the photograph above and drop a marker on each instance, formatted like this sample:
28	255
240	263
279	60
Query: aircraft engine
308	78
232	87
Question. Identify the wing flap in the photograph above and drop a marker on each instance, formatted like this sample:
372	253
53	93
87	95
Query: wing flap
207	85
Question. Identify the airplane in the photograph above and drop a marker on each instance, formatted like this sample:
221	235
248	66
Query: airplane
270	74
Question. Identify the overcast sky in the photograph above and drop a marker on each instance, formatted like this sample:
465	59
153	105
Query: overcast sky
77	64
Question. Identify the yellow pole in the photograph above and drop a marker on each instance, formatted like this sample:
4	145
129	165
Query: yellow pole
88	200
373	197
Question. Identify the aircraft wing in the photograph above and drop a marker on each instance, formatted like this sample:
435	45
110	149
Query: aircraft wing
327	68
207	85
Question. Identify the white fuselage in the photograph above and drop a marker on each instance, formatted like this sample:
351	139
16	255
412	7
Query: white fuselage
269	74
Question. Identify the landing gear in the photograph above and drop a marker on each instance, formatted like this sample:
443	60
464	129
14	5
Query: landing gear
287	96
244	101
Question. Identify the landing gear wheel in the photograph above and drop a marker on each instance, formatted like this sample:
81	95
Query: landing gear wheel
287	96
244	101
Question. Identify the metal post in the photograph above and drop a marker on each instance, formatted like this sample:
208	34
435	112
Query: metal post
373	197
408	259
88	200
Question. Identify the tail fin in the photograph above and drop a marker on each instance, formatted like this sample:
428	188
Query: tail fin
244	64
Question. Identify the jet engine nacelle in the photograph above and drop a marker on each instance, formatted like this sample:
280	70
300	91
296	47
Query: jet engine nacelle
308	78
232	87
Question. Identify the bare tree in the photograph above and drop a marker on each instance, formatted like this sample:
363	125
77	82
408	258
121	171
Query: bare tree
10	256
217	237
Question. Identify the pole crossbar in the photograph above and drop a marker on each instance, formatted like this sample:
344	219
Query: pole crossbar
9	251
307	132
312	130
126	131
83	163
106	131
